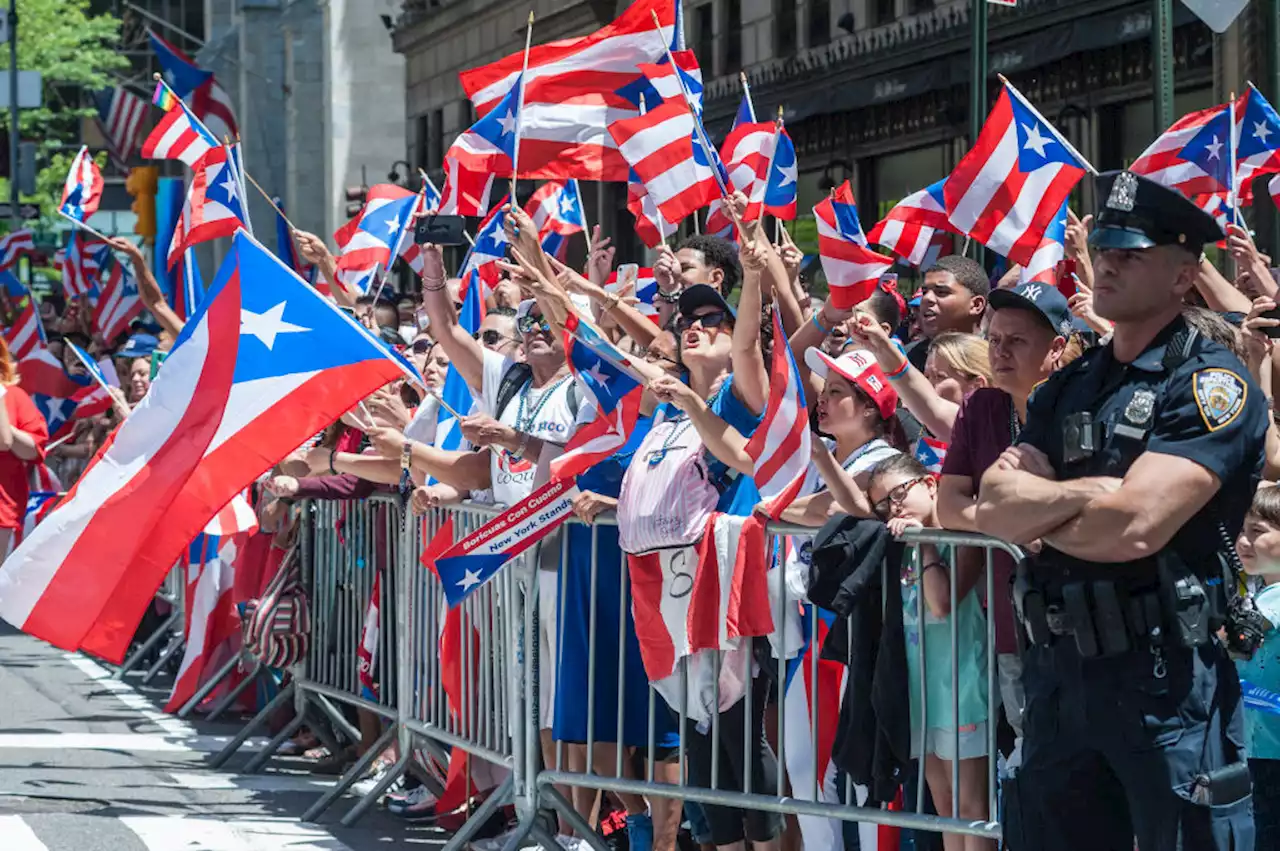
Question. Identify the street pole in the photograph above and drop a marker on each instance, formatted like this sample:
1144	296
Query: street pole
1162	64
978	82
14	217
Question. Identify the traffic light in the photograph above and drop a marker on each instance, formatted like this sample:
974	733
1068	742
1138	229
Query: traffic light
356	197
141	184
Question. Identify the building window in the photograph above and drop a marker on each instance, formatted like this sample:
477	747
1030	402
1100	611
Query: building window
732	36
704	35
784	27
819	22
883	12
435	148
422	146
919	7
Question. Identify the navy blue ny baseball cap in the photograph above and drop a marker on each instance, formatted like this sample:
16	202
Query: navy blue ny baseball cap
1044	299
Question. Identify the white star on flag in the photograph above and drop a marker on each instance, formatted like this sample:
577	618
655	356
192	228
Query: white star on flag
393	225
567	206
789	176
597	373
508	123
266	326
1035	141
230	186
1214	148
1261	131
469	580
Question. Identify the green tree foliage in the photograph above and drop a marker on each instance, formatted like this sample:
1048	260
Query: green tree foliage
75	53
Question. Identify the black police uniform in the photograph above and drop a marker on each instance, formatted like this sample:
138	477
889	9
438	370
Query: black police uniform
1129	732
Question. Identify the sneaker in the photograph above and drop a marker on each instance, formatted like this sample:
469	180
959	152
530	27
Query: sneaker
496	843
640	832
397	804
371	780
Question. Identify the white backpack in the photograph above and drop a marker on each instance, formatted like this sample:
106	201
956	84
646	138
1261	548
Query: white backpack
667	492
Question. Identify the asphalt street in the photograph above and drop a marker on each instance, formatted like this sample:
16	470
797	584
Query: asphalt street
88	763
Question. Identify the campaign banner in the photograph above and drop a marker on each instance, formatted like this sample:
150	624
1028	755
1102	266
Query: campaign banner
475	559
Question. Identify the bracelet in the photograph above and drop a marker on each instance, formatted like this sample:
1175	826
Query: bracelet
332	453
611	301
899	372
818	325
432	286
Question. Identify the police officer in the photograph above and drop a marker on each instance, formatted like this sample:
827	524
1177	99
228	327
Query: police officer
1134	472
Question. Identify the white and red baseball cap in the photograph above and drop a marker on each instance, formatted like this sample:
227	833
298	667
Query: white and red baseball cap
858	367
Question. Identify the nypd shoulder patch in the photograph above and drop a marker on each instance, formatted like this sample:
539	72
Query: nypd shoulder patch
1220	396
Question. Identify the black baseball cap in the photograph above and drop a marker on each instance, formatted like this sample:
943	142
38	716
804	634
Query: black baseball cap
703	295
1044	299
1140	213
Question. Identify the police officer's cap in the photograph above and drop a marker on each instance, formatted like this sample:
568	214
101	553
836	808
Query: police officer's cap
1137	212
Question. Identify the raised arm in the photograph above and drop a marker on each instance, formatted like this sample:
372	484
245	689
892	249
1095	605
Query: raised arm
750	375
934	413
147	286
315	252
721	439
465	353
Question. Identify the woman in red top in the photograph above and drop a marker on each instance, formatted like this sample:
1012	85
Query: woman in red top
23	434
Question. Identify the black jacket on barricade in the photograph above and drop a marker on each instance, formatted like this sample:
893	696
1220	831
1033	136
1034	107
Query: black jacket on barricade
851	559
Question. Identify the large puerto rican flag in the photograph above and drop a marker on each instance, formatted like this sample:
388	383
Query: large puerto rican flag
264	364
576	88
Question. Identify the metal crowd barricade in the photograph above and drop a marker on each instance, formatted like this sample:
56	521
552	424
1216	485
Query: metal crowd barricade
493	713
784	799
172	591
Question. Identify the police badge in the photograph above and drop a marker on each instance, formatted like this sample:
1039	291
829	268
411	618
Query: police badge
1141	406
1124	192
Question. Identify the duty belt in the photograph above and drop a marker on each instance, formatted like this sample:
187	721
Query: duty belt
1105	618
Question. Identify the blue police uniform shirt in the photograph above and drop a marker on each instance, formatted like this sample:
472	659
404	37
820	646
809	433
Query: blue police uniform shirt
1206	409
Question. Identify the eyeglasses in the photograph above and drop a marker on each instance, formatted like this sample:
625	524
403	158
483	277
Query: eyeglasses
421	347
530	324
490	337
714	319
896	497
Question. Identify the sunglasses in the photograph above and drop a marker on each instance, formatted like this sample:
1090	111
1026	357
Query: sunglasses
714	319
421	347
896	497
491	337
532	324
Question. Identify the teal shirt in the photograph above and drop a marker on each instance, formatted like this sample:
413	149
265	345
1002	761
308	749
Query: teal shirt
972	637
1262	728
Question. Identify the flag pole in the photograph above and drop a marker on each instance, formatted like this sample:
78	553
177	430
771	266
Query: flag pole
515	152
693	111
269	200
582	208
746	93
1056	132
768	171
83	226
443	403
1231	162
237	166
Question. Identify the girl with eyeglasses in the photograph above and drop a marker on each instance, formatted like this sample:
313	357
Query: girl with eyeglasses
905	496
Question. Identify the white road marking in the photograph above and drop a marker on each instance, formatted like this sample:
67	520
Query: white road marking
17	835
211	780
130	698
137	742
174	833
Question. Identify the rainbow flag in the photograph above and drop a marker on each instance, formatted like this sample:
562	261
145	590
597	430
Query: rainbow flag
164	97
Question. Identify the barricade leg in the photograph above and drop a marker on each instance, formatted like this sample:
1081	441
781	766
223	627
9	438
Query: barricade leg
500	796
207	689
260	759
550	795
353	774
339	721
240	738
223	705
174	620
175	644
